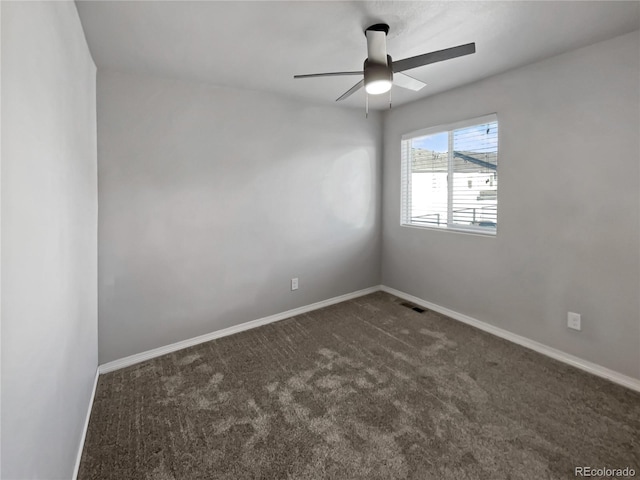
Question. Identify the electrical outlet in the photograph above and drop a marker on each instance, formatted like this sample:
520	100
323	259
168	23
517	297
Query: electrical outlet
294	284
573	321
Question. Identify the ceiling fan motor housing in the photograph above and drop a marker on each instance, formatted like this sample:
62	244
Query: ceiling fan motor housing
376	72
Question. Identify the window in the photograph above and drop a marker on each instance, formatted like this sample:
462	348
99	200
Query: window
450	176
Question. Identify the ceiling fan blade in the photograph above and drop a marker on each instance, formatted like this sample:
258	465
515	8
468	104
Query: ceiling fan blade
331	74
405	81
433	57
377	46
351	91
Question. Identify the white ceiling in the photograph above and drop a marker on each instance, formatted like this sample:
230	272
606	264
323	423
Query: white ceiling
261	45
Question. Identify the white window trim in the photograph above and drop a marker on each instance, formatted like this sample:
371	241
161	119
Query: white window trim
405	187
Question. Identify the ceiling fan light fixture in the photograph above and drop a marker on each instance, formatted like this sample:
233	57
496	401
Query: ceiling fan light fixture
378	78
376	87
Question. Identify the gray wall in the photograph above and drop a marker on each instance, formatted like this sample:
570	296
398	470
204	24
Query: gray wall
568	215
212	199
49	238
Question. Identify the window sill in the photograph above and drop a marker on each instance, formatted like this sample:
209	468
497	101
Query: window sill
468	231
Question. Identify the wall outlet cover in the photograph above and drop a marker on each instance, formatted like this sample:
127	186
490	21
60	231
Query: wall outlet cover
573	321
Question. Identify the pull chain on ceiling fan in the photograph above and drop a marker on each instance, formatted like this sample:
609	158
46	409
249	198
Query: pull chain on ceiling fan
381	72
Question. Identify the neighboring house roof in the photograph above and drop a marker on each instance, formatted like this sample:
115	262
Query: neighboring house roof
430	161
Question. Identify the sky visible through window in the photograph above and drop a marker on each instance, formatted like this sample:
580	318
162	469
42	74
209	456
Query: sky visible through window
440	143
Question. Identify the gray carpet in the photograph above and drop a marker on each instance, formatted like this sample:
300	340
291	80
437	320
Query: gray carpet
366	389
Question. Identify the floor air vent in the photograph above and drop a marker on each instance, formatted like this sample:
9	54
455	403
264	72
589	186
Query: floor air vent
413	307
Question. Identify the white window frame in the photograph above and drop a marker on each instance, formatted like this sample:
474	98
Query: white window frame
405	178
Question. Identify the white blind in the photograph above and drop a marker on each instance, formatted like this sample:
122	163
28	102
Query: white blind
450	176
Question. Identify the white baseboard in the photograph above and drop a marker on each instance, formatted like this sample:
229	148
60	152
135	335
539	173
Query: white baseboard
156	352
85	427
587	366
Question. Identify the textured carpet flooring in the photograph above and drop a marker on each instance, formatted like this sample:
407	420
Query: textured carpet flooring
366	389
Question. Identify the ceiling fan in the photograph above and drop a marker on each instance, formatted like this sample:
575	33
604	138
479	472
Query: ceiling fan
380	72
